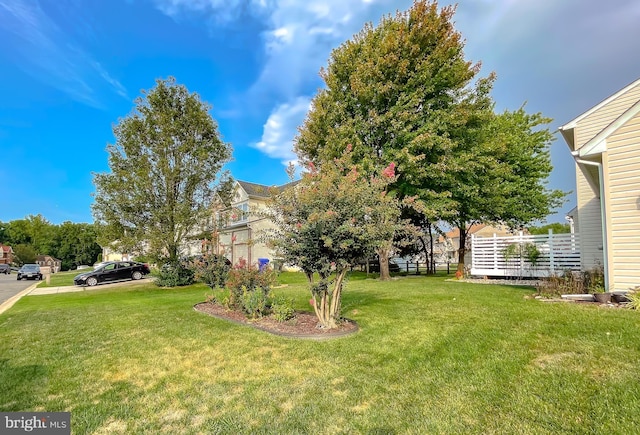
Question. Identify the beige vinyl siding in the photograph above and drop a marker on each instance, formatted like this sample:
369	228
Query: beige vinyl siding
597	121
258	226
623	150
590	222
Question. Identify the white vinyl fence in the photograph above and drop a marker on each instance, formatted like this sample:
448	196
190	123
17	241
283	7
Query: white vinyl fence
525	255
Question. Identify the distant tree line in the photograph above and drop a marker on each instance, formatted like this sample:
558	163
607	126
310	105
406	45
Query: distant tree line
72	243
556	227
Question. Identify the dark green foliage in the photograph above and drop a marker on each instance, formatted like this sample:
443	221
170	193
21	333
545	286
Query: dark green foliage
72	243
23	254
175	275
593	280
165	169
402	91
556	227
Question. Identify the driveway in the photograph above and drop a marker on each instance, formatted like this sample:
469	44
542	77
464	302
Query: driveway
10	286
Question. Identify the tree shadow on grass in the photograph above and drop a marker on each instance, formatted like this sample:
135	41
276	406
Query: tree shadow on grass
21	386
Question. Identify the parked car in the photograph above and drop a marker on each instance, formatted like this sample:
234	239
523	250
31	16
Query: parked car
30	271
5	268
374	266
113	271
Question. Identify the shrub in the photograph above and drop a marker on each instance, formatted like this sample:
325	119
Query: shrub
211	269
174	275
249	288
282	309
634	299
588	281
254	303
594	279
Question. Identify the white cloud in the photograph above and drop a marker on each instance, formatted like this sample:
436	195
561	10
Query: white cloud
219	10
281	128
539	49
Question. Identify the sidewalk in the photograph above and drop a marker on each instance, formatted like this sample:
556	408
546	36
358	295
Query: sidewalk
53	290
74	288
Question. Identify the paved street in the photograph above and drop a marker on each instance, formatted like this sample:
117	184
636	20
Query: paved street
10	286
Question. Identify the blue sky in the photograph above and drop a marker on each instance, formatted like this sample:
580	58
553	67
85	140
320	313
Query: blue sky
69	69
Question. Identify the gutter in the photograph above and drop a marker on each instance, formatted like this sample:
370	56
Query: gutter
602	216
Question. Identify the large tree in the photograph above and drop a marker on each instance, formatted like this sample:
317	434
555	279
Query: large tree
394	91
403	91
166	166
497	173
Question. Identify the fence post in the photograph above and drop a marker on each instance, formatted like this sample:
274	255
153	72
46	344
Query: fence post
495	251
551	253
521	243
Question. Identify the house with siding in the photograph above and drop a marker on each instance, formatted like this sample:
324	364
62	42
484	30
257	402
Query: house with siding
241	225
605	144
449	243
6	254
52	263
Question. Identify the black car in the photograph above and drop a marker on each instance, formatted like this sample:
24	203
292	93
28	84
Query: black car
5	268
30	271
374	266
113	271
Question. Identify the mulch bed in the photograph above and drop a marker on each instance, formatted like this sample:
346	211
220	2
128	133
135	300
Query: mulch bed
304	325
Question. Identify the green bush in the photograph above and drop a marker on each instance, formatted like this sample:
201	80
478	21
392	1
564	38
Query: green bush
211	269
634	298
282	309
174	275
249	288
255	303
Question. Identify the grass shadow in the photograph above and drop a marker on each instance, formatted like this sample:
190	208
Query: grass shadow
20	386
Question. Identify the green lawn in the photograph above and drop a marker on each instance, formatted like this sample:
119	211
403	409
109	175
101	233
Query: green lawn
432	356
62	279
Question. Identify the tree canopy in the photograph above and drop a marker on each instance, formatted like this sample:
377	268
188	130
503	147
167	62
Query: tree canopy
72	243
403	91
166	167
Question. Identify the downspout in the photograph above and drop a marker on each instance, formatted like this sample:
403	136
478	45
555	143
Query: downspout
603	216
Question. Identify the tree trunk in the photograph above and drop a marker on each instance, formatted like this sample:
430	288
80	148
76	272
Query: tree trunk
462	250
327	304
433	261
383	255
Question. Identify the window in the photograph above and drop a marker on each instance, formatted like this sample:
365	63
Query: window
240	213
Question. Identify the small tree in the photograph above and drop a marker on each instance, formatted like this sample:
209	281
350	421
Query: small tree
329	221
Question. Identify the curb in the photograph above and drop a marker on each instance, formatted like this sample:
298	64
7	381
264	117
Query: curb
15	298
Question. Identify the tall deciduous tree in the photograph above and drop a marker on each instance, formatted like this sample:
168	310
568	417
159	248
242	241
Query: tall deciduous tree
330	220
393	91
166	166
497	174
402	91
